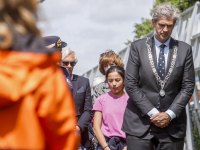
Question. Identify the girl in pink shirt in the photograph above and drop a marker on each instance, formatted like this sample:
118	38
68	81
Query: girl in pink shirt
109	111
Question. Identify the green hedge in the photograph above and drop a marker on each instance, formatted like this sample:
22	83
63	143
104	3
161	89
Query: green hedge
196	138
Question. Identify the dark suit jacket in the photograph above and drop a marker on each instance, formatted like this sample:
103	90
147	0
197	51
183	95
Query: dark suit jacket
83	104
143	88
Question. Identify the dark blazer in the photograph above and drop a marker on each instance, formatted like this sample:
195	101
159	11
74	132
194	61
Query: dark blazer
83	104
143	88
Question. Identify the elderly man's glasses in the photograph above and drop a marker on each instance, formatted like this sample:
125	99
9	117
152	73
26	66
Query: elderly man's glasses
107	53
66	63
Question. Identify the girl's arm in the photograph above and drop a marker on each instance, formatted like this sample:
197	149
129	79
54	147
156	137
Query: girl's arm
97	129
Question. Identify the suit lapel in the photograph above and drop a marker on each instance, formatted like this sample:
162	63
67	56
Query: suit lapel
75	85
170	53
172	44
75	88
153	49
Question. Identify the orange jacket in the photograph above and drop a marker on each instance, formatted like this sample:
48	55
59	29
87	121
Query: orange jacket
36	106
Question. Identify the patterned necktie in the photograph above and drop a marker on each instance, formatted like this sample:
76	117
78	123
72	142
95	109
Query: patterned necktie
161	62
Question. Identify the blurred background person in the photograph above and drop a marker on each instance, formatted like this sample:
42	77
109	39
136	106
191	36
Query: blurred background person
106	60
109	111
33	96
81	95
56	43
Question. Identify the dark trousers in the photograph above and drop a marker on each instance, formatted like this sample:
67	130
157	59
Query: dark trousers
154	139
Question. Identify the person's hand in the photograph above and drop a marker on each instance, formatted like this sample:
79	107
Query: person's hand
78	131
78	128
125	148
91	140
161	119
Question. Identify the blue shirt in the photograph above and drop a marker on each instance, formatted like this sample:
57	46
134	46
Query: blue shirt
166	49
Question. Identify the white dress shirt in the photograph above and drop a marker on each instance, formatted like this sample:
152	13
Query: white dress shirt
154	111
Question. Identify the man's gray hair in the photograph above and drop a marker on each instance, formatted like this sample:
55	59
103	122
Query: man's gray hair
167	10
67	51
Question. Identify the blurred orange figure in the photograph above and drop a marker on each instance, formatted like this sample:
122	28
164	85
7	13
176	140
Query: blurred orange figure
36	106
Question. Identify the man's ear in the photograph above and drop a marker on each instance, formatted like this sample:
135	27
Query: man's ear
153	23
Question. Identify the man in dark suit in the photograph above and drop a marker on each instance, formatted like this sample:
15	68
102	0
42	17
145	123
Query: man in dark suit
82	96
160	81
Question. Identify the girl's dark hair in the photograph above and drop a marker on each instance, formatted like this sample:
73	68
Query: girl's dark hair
120	70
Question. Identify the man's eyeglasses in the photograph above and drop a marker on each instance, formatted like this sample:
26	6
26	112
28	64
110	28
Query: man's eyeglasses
66	63
107	53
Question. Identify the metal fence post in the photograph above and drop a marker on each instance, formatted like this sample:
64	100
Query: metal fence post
189	134
195	98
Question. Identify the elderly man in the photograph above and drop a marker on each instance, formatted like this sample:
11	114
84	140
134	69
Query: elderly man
160	81
55	42
81	94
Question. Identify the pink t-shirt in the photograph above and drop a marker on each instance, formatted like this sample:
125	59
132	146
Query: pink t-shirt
112	109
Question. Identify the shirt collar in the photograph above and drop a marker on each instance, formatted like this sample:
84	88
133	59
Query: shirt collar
158	43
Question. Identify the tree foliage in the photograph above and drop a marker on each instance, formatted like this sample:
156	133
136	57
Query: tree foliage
145	26
142	28
182	5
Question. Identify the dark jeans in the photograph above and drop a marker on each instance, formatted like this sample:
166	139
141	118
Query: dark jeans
82	148
100	148
115	143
